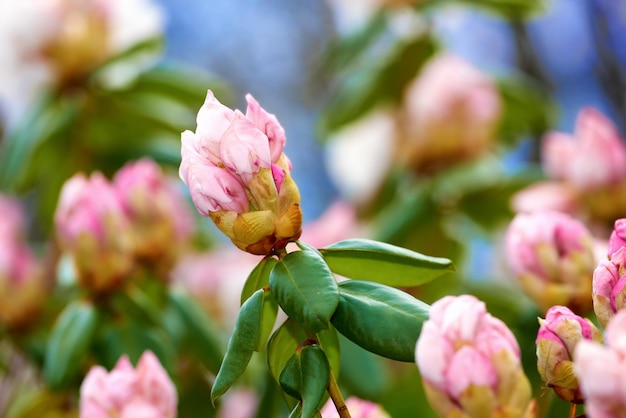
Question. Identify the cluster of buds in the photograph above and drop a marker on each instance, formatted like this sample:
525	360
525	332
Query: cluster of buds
22	287
609	282
110	227
238	175
470	362
451	114
58	42
601	371
552	255
125	392
557	339
587	170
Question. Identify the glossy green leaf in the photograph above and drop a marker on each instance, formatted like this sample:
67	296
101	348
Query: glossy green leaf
268	320
205	339
315	377
379	318
383	263
297	412
290	378
285	341
258	278
305	288
242	343
305	376
69	342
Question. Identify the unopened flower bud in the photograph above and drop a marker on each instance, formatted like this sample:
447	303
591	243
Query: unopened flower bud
92	226
556	342
617	239
552	255
451	114
238	175
470	362
125	392
159	220
609	282
601	371
22	287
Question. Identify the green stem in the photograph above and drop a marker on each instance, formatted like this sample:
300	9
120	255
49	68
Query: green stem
337	397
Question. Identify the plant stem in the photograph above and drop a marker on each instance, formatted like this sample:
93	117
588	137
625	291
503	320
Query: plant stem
335	395
572	410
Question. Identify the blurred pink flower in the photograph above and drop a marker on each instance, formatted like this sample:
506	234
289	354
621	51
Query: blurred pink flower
49	43
452	111
144	391
338	222
238	403
557	338
552	196
470	362
160	220
609	286
238	175
601	371
22	284
552	255
91	225
617	239
358	408
593	157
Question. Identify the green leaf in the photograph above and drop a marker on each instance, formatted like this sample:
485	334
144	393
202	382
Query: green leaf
363	373
242	343
379	318
201	332
69	342
315	377
383	263
305	288
305	377
268	320
258	278
286	340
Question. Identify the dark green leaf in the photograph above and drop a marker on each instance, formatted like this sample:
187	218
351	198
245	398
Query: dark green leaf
242	343
383	263
315	377
258	278
69	342
204	337
285	341
290	378
268	320
305	288
379	318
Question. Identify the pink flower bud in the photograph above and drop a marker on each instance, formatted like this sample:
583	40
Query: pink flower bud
558	336
239	403
552	196
22	287
237	174
552	255
617	239
609	282
593	157
160	221
470	362
145	391
358	408
452	112
92	226
601	371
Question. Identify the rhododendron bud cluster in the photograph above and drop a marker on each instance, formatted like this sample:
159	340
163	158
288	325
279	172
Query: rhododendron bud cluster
109	227
609	282
238	175
22	287
590	164
559	333
470	362
47	43
601	371
451	111
552	256
127	392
